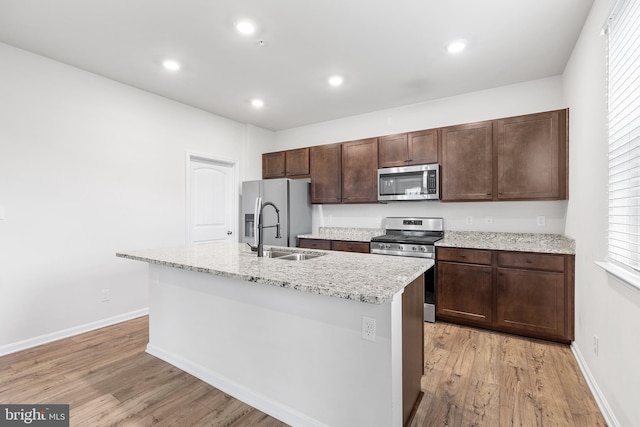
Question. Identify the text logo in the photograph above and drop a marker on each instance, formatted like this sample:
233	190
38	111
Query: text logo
34	415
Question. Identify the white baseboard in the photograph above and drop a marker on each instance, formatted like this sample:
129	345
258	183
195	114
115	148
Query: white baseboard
76	330
256	400
607	413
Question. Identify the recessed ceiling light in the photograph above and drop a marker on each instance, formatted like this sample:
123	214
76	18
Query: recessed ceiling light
258	103
336	80
171	65
245	27
456	46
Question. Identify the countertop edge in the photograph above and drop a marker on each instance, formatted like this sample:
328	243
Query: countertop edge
369	299
513	242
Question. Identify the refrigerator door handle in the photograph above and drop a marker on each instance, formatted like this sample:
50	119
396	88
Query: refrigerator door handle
256	219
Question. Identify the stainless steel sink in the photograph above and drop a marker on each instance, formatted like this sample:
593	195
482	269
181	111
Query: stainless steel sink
276	254
290	256
300	257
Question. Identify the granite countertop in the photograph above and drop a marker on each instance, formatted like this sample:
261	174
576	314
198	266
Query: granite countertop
344	233
518	242
367	278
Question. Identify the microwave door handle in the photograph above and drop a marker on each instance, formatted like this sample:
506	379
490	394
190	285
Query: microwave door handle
256	214
425	180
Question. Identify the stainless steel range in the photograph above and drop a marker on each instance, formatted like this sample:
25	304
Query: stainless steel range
413	237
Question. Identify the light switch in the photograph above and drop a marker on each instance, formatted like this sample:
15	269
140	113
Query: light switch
1	212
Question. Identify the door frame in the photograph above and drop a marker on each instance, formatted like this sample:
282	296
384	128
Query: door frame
234	188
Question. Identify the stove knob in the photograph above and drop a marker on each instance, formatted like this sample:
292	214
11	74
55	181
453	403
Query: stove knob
423	248
400	248
387	246
414	248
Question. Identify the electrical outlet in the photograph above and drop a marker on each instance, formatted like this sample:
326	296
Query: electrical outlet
541	220
368	328
469	220
595	345
488	220
104	297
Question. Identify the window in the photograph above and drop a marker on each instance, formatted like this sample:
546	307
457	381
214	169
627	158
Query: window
623	74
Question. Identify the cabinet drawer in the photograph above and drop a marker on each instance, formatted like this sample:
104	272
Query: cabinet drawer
338	245
470	256
533	261
315	244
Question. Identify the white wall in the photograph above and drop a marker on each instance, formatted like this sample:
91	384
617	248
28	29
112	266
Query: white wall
513	100
89	166
604	307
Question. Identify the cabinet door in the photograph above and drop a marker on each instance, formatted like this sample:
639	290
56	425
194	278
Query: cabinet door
314	244
464	291
466	165
273	165
532	156
393	151
340	245
423	147
360	171
531	302
297	162
326	173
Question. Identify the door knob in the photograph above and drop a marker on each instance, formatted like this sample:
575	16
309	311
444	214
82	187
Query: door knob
229	233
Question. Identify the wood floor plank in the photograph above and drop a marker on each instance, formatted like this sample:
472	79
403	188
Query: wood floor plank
550	399
517	404
81	414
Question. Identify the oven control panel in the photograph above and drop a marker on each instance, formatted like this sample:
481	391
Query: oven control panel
403	249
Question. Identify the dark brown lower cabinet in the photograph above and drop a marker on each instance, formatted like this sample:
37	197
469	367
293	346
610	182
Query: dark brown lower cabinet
524	293
324	245
531	301
334	245
465	291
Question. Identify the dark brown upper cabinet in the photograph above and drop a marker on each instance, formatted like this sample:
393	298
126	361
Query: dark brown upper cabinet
286	164
414	148
360	171
515	158
466	162
532	156
326	173
273	165
297	162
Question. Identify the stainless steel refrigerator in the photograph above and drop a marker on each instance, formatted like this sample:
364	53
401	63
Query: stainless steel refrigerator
293	199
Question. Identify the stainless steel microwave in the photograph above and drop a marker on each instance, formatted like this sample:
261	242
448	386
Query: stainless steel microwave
420	182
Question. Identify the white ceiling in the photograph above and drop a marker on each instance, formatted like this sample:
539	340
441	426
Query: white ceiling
391	53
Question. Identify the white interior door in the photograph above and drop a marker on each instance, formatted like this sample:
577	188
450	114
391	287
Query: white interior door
212	199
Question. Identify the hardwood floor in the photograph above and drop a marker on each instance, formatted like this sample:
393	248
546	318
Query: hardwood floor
109	380
481	378
472	378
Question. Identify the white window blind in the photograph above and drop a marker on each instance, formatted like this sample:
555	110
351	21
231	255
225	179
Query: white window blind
623	76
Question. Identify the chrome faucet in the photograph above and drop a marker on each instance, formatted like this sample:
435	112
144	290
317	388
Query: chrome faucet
261	227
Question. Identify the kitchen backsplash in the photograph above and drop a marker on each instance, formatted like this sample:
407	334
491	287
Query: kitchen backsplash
515	217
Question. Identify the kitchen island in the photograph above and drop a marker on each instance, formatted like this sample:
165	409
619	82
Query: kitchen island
287	337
